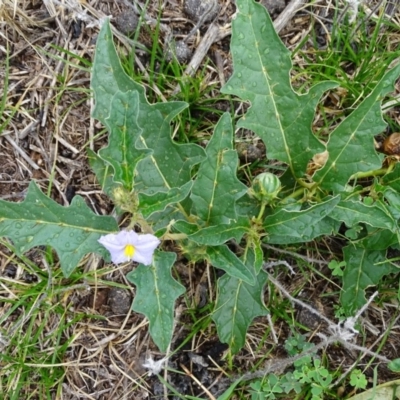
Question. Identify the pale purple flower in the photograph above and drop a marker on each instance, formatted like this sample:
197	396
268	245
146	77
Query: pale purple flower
130	246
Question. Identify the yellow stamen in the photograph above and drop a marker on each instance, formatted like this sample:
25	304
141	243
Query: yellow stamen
129	251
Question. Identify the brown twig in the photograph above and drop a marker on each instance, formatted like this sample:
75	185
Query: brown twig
284	17
206	391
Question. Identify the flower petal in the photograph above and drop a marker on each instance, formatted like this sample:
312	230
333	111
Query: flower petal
119	257
144	246
115	246
129	237
144	249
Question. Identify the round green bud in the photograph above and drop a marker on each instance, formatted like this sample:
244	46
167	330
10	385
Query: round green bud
120	195
266	187
124	199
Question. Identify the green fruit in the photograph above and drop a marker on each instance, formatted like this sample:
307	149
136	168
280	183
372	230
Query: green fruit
266	187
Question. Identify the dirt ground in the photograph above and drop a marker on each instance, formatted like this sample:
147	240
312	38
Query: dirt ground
47	129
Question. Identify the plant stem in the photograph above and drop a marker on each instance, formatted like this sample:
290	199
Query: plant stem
261	213
376	172
293	195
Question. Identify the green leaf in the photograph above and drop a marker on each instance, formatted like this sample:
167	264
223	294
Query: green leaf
72	231
364	268
104	173
351	145
280	116
392	204
121	152
150	204
238	303
254	254
289	383
358	379
214	235
217	188
354	212
161	220
185	227
108	76
227	395
354	232
390	390
223	258
170	164
336	267
394	365
295	226
248	206
378	239
392	179
155	296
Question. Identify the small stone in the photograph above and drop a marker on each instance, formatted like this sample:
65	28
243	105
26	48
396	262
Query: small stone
119	300
309	320
306	317
127	22
249	152
98	299
195	9
178	50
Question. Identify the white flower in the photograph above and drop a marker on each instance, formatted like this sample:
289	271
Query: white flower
130	246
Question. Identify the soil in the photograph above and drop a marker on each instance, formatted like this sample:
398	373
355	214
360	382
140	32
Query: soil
46	140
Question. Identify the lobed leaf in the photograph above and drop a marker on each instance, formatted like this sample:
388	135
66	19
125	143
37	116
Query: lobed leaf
254	254
214	235
161	220
364	268
72	231
238	303
104	173
223	258
295	226
155	296
108	76
248	206
216	189
185	227
378	239
150	204
351	145
354	212
280	116
121	152
391	204
170	164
